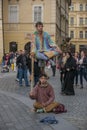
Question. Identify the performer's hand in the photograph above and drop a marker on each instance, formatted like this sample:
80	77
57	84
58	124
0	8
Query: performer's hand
31	93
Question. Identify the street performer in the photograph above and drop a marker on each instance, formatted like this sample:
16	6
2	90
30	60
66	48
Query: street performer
43	93
43	47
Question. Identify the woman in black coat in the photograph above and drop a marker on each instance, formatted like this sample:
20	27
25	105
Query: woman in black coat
69	75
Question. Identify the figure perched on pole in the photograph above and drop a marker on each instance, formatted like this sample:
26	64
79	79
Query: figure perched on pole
43	47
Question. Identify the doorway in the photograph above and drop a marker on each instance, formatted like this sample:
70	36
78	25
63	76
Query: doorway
13	46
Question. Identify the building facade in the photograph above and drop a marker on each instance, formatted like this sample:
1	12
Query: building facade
20	16
1	31
62	20
78	24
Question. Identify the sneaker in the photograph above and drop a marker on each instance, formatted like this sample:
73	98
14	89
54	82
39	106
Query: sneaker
40	110
17	80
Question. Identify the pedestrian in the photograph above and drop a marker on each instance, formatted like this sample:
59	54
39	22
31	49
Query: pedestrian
76	56
62	62
22	63
82	63
14	63
53	65
69	67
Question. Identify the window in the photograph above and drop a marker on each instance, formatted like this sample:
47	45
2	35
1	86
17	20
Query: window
86	7
81	7
83	48
37	13
71	20
85	21
85	34
71	34
81	21
81	34
72	7
13	14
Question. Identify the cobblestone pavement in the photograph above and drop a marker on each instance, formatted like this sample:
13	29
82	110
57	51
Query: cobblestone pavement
76	105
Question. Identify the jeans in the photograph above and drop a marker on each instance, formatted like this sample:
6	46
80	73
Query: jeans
76	77
23	71
53	70
81	76
85	73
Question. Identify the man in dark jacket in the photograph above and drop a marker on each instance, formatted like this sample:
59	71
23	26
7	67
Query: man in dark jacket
22	68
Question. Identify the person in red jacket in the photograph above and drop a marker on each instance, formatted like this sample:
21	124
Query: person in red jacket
43	93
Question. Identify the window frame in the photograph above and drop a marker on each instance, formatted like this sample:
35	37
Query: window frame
72	7
81	21
85	7
81	7
86	21
71	20
81	37
72	34
41	12
9	18
86	34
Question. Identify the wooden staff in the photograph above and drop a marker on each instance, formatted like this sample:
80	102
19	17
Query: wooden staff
32	40
32	73
32	62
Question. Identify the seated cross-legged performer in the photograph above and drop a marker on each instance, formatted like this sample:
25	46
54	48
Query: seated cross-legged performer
43	93
43	48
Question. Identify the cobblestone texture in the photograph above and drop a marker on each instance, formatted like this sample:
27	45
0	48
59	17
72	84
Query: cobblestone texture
76	105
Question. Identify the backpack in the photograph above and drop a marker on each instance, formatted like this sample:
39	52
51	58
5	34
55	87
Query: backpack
59	109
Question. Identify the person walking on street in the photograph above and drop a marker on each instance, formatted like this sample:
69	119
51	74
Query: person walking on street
22	63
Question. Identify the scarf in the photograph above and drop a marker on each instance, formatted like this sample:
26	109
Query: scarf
43	85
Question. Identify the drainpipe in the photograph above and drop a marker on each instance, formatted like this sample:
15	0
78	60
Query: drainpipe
3	29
